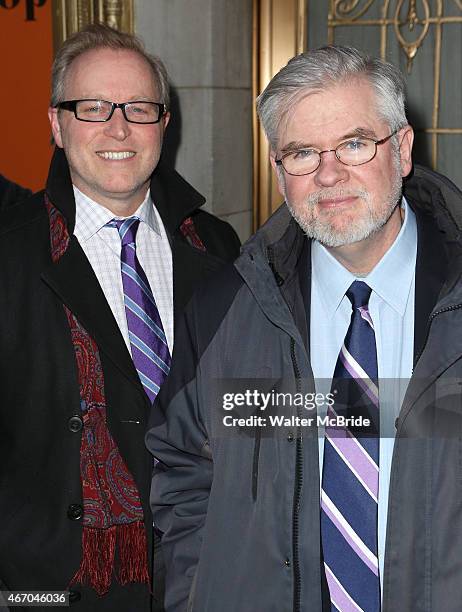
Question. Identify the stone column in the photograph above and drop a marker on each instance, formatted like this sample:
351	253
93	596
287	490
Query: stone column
206	46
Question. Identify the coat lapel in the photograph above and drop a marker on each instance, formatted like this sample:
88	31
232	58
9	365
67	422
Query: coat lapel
74	282
175	200
430	274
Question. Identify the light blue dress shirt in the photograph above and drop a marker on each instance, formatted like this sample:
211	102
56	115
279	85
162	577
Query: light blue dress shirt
391	307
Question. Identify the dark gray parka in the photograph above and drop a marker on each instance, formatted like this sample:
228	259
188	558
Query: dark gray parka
239	507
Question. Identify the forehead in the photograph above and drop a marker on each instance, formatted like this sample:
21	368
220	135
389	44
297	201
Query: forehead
329	115
110	74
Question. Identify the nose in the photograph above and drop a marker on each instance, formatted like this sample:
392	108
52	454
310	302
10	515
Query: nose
331	171
117	127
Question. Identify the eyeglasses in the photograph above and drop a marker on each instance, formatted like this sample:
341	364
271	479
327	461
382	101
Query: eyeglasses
353	152
96	111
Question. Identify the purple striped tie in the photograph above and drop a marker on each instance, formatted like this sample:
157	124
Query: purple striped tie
148	343
350	482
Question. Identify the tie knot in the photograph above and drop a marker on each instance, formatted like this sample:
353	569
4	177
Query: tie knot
359	294
127	229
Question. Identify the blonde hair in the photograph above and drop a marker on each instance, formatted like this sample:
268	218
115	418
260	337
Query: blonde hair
100	36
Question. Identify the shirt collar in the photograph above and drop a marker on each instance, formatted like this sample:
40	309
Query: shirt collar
90	216
330	278
391	279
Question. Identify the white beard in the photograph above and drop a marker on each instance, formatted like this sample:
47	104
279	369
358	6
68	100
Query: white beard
319	227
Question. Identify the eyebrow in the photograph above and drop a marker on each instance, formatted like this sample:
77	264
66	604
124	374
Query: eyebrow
360	131
132	98
296	145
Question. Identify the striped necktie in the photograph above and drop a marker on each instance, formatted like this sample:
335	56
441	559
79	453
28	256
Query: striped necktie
148	343
350	481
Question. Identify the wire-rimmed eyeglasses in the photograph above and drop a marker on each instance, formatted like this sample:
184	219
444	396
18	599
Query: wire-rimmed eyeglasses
96	111
353	152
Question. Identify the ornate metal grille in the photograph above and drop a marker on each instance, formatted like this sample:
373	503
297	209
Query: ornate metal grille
69	17
426	36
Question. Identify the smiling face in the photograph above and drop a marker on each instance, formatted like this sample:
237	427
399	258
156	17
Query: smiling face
110	162
340	205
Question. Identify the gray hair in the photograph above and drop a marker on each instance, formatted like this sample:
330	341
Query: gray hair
100	36
321	68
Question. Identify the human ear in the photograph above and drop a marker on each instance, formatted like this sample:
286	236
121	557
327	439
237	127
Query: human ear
405	139
55	126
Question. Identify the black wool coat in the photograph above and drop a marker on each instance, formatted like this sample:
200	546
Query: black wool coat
10	193
40	540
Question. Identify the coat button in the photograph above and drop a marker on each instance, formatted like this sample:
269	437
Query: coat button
290	436
287	562
75	512
75	423
74	596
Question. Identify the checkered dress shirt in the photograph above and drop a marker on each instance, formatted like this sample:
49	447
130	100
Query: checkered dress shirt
102	246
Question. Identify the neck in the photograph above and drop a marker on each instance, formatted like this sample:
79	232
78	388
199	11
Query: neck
362	257
120	207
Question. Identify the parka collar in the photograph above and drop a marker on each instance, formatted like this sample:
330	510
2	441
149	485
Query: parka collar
279	242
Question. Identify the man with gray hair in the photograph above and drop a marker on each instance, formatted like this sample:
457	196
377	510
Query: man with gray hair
95	271
310	439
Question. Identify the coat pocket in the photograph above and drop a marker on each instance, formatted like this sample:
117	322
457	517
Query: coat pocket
255	463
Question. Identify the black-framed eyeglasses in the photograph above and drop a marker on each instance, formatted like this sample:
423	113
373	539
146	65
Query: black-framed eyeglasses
353	152
95	111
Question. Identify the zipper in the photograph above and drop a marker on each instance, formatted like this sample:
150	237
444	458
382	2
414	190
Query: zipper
432	316
270	257
298	457
297	488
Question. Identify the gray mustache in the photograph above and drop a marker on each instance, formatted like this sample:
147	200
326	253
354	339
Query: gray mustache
327	194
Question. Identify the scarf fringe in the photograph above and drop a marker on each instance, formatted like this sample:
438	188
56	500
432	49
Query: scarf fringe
98	556
132	549
98	547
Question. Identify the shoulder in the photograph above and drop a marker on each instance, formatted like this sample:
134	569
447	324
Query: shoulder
20	217
428	187
218	236
177	201
211	302
201	320
219	289
11	192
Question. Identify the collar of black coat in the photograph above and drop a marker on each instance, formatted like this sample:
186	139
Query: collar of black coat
174	198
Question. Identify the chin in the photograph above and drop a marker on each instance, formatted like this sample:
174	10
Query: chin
334	229
121	189
348	231
333	239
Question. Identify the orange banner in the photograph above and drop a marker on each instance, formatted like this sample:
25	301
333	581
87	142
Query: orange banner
26	49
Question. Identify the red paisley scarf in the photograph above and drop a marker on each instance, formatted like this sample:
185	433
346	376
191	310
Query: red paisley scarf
113	515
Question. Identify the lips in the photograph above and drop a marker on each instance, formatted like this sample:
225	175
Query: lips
334	202
116	155
336	198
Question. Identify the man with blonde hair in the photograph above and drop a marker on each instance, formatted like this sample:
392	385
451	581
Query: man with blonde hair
96	269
